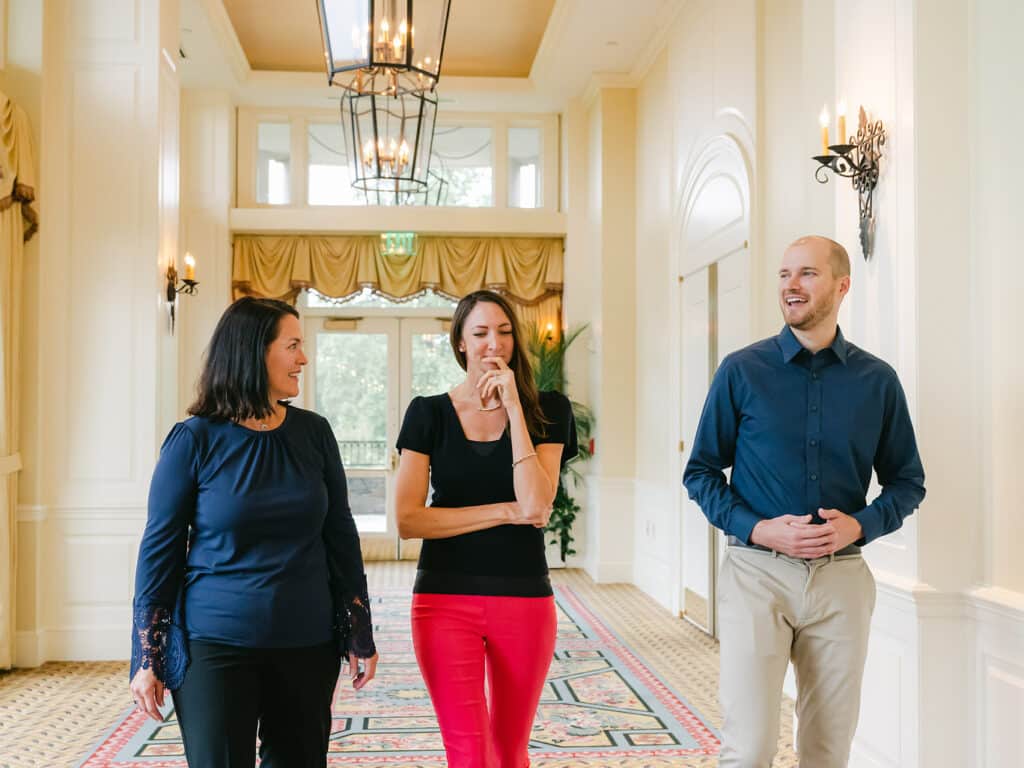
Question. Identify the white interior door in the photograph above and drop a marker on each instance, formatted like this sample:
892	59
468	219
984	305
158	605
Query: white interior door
732	327
428	367
362	373
352	379
697	356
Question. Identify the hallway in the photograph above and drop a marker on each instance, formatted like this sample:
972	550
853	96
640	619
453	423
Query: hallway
58	714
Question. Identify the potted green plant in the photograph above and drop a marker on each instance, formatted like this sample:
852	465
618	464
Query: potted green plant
547	358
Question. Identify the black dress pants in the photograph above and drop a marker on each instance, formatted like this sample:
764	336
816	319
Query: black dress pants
231	693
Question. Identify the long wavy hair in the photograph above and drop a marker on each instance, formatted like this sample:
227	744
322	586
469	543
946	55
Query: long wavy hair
520	363
234	384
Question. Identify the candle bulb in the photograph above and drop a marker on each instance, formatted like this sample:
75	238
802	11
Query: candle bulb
824	130
190	267
841	120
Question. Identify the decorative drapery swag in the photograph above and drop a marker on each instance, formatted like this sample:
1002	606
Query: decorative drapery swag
18	222
527	271
17	165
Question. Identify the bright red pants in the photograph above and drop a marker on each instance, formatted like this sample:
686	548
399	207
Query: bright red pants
460	641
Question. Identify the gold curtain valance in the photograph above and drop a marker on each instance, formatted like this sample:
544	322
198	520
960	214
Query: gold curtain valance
527	270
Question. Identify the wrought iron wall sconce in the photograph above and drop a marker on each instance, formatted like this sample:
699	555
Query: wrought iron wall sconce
855	158
188	286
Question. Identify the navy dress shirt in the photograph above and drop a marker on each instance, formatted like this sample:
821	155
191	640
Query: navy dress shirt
249	542
804	431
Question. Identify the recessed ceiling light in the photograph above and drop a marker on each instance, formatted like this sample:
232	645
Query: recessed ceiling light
611	43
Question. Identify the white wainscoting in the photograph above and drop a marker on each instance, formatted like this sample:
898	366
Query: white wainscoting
609	554
997	703
944	681
656	544
83	568
886	731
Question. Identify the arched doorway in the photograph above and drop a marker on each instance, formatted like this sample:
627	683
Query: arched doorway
715	315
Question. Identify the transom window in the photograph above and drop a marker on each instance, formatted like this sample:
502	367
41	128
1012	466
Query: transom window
299	158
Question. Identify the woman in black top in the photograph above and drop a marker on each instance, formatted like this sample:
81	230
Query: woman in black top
249	586
492	449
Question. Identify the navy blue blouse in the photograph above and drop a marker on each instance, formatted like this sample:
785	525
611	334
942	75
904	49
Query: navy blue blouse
249	542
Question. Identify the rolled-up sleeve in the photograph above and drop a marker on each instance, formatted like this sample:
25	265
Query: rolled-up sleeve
899	470
714	450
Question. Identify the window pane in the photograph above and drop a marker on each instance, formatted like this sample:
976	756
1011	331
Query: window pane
524	176
366	498
464	158
351	393
434	369
273	163
330	180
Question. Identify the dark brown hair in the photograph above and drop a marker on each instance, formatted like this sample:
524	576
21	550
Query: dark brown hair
234	385
520	363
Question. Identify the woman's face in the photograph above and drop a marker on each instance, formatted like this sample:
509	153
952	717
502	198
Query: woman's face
487	332
285	359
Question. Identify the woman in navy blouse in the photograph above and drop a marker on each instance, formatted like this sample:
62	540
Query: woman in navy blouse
250	586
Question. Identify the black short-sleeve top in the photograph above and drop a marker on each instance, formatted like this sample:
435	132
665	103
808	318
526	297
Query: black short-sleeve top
504	560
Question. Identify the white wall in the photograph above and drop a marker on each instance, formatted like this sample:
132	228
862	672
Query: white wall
697	120
609	226
208	183
109	205
937	301
997	673
655	528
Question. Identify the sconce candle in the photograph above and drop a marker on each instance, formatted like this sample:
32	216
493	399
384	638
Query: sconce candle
190	267
823	119
841	120
859	162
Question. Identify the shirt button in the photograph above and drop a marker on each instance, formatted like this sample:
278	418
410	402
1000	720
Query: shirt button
814	477
814	443
814	407
814	376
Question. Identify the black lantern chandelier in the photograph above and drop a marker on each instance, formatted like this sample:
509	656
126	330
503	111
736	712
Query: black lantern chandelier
387	55
384	46
389	140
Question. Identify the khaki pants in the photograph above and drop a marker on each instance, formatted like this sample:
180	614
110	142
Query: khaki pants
773	608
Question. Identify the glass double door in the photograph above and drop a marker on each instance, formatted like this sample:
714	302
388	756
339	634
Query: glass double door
361	375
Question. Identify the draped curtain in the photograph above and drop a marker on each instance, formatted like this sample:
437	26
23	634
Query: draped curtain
18	222
527	271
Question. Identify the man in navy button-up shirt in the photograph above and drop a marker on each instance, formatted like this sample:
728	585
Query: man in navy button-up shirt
802	418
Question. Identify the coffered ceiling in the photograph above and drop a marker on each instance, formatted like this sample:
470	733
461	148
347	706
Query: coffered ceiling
500	55
486	38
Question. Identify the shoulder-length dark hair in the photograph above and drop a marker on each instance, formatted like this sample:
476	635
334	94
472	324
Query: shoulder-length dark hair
233	384
520	363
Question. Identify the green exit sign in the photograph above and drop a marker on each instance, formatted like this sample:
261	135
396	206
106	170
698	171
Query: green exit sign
398	243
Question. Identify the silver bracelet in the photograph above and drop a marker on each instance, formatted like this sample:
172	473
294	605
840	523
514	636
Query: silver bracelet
521	459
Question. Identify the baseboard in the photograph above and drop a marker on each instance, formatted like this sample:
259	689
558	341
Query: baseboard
614	572
28	650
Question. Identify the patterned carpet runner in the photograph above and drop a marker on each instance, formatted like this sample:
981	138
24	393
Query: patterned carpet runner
603	705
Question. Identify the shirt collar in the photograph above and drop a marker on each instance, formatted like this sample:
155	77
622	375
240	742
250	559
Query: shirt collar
791	346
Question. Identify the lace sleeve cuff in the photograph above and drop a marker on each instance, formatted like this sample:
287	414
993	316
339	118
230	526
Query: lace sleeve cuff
354	626
158	644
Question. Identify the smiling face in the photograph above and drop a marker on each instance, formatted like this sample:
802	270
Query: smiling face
285	359
486	332
809	290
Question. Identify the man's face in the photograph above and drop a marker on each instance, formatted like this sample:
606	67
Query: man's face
809	293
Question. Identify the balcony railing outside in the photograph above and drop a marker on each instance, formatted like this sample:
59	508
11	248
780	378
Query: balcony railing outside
363	453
